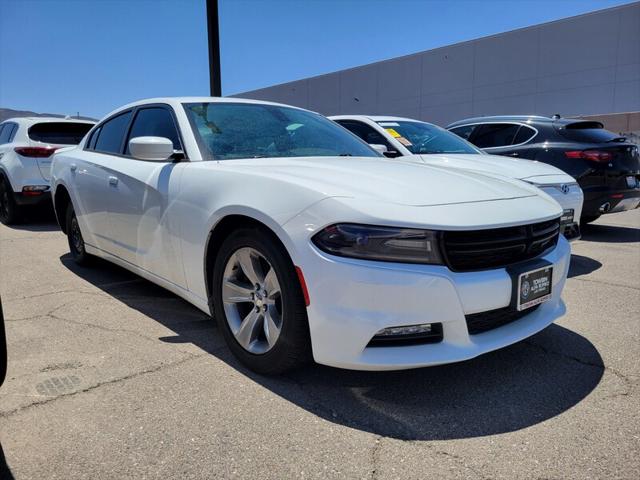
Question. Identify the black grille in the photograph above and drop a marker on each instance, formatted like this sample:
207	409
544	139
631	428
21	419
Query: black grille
485	321
498	247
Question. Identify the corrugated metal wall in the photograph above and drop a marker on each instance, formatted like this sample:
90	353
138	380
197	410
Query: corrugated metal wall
583	65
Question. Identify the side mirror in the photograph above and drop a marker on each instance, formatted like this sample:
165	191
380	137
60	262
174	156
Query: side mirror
379	148
155	149
392	154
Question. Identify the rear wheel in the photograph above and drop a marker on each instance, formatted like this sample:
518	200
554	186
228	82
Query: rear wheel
9	211
74	237
258	303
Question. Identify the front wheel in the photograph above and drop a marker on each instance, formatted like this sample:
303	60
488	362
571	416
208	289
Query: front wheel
258	303
9	210
74	237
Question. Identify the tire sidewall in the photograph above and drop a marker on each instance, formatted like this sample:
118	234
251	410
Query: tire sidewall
294	333
81	258
12	208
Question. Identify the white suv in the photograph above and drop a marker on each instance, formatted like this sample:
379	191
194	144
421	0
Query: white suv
26	146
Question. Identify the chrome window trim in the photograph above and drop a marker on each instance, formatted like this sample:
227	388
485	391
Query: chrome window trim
522	124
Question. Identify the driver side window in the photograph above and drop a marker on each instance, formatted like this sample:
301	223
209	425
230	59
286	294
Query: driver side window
154	122
366	133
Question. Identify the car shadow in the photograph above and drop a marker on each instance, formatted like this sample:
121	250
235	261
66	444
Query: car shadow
37	220
581	265
503	391
5	471
610	234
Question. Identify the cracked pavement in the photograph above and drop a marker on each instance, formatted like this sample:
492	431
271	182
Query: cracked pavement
112	377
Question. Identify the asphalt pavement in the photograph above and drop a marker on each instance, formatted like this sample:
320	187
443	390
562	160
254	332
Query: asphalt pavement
112	377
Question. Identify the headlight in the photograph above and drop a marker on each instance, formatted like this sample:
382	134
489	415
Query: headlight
386	244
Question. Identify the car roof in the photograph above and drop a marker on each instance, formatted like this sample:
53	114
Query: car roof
34	120
529	119
177	101
375	118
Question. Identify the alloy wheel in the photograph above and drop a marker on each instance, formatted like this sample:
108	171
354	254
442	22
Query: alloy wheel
252	301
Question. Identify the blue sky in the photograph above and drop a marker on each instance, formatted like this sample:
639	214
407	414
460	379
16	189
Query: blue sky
91	56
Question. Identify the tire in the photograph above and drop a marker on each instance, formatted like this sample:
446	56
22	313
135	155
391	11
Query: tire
10	212
75	240
584	220
259	348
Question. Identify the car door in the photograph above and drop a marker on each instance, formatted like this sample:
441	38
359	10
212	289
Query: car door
146	233
90	174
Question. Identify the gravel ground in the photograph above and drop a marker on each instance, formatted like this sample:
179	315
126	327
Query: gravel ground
112	377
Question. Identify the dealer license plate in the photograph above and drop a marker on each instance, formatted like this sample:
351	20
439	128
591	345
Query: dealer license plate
534	287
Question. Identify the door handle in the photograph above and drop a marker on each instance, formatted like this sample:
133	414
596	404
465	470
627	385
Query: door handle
73	167
514	154
113	181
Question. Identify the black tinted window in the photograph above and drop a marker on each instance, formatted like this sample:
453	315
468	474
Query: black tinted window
524	135
112	133
366	133
91	144
6	131
154	122
587	132
465	131
495	135
65	133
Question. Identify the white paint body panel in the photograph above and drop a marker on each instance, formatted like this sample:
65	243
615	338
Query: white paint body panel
160	215
27	171
547	177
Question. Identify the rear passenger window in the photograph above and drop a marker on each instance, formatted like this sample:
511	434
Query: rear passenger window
524	135
112	134
464	131
154	122
495	135
5	133
91	144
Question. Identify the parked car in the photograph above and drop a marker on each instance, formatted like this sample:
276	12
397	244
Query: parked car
26	145
300	240
396	136
606	166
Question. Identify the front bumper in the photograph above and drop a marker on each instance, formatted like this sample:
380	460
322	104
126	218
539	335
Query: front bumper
571	199
351	300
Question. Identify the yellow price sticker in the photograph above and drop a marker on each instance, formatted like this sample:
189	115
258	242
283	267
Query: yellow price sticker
393	133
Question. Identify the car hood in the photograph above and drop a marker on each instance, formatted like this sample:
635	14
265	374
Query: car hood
384	180
529	170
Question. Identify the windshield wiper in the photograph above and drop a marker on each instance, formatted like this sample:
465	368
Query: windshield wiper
345	155
617	139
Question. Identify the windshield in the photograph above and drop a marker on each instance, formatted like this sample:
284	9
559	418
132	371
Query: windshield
227	131
63	133
424	138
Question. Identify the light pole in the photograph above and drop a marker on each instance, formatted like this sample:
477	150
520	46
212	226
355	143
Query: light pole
213	31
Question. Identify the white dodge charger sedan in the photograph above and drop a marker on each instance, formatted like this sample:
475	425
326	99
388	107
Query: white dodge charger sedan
433	145
302	242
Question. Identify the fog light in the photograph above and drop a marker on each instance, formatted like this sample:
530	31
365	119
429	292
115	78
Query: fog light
409	330
407	335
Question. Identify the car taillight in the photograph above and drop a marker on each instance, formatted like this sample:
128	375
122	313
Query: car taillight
593	155
35	152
